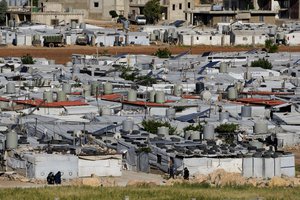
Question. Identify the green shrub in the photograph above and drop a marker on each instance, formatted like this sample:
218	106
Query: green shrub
27	59
227	128
151	126
163	53
193	127
262	62
270	46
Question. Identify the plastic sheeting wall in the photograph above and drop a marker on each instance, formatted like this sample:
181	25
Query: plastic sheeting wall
40	165
208	165
106	167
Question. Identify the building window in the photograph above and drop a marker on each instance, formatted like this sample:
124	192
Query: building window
96	4
180	6
173	6
54	22
189	4
261	18
185	16
159	159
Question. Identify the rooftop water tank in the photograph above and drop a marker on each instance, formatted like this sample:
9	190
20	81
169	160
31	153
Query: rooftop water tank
10	88
177	90
152	96
195	135
205	95
170	113
261	127
61	96
66	87
108	88
87	90
48	96
246	111
199	87
223	116
11	140
208	132
128	125
160	97
69	64
223	67
95	88
187	135
106	111
132	95
232	93
163	130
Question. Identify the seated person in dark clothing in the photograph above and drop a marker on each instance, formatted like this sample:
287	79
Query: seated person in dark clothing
57	178
186	173
50	178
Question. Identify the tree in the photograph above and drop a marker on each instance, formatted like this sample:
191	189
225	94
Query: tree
151	126
113	14
163	53
3	10
262	62
27	59
270	46
152	11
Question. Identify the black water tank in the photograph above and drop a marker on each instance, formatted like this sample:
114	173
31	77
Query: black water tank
199	87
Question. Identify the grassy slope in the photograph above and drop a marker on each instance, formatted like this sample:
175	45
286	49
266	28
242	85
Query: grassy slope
179	192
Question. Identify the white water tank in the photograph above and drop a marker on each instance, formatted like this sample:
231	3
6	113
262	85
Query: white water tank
223	116
87	90
209	132
205	95
10	88
132	95
223	67
108	88
187	135
170	113
261	127
195	135
11	140
152	96
128	124
106	111
95	88
232	93
177	90
163	130
246	111
160	97
61	96
48	96
66	87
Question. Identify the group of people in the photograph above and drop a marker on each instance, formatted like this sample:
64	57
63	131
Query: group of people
54	179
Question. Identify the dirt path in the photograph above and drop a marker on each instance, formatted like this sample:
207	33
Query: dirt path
63	54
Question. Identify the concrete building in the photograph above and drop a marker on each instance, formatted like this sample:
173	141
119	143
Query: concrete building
95	9
172	9
229	11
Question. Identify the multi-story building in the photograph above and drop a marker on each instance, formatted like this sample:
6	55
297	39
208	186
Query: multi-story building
172	9
209	12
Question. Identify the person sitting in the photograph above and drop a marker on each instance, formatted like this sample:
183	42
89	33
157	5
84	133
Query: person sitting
57	178
50	178
186	173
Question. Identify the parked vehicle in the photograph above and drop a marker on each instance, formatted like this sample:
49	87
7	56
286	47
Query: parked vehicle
138	19
53	40
82	40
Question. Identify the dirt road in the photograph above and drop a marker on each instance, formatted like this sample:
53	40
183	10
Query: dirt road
63	54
